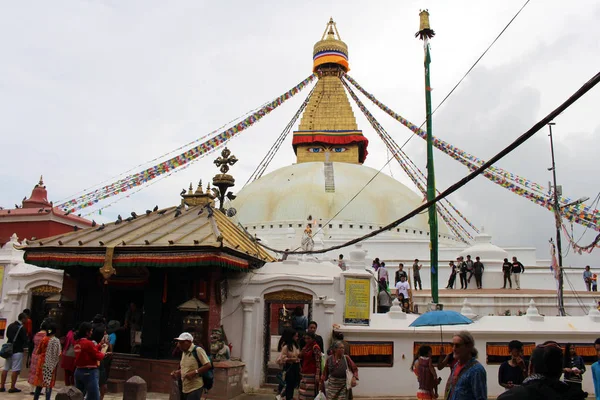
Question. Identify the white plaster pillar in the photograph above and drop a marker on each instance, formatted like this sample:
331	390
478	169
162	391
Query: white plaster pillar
329	305
248	307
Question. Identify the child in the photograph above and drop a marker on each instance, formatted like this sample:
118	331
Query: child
594	283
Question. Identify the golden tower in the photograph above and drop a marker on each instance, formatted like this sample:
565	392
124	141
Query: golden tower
328	130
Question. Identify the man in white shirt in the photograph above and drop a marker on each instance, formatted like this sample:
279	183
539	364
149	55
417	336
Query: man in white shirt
402	287
192	366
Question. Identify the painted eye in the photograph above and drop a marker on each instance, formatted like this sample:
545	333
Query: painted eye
315	149
339	149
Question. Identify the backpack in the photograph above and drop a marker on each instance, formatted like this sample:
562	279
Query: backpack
209	376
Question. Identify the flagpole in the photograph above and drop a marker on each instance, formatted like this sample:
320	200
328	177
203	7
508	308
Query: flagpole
425	33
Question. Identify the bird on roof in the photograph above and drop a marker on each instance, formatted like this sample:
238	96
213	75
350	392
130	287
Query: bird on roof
129	219
101	227
47	210
119	220
230	196
182	192
93	223
68	212
133	214
161	212
177	213
155	208
75	228
17	206
41	210
148	212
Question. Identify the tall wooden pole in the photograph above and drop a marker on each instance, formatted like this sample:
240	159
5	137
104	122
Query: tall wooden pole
425	33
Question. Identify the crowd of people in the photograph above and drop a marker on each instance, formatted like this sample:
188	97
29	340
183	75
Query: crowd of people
84	353
311	369
537	378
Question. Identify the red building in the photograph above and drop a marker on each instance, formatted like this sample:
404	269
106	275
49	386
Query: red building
37	218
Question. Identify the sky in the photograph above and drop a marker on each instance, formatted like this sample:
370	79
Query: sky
92	89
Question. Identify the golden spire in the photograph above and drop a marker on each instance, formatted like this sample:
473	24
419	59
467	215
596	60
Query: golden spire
199	189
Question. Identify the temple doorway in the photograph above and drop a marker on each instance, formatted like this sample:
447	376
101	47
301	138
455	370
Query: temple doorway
39	308
279	307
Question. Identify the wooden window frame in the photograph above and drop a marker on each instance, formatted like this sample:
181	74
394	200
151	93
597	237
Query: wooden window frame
360	362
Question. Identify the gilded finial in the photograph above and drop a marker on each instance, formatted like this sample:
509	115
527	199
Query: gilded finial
425	32
226	160
208	189
199	190
41	180
190	189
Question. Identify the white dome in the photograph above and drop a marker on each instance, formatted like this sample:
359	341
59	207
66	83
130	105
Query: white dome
298	191
484	249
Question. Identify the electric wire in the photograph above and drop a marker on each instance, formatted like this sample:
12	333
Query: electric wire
478	171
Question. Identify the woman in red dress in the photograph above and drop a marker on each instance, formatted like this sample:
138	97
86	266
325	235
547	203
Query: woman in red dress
310	371
48	353
35	358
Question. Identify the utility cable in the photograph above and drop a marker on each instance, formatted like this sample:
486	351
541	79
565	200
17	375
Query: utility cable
478	171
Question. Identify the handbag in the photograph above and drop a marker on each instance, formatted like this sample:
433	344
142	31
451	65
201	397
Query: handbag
7	348
70	352
349	375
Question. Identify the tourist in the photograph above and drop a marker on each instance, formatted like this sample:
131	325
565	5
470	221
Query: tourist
299	320
596	370
310	371
312	328
194	362
33	367
288	359
399	273
383	276
426	375
417	274
506	271
384	301
594	283
448	361
376	264
112	328
334	373
587	278
478	268
67	362
99	337
462	268
517	270
87	356
543	382
29	330
341	262
513	371
17	335
48	356
402	288
573	367
452	278
469	379
470	269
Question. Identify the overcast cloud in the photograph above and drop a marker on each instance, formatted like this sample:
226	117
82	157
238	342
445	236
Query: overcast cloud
89	90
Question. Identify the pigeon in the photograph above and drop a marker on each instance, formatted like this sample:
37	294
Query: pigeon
230	196
68	212
210	211
178	212
79	215
17	206
161	212
119	217
129	219
24	198
75	228
101	227
201	211
133	214
119	220
47	210
41	210
93	223
148	212
182	192
155	209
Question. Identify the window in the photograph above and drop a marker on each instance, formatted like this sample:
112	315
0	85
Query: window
280	225
398	230
341	226
290	225
271	226
330	226
320	225
299	225
262	227
406	231
587	351
351	226
360	226
254	227
420	232
497	352
371	227
372	354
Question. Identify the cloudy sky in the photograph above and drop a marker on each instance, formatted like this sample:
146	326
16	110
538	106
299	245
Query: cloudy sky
91	89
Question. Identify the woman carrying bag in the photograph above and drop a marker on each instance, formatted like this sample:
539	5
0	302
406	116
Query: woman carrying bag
49	355
341	374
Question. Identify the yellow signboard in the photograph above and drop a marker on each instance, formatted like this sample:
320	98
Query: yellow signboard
358	301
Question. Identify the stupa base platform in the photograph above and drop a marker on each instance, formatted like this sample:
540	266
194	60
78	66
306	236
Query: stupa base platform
504	301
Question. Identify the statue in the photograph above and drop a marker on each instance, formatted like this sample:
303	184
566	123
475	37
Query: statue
307	243
219	350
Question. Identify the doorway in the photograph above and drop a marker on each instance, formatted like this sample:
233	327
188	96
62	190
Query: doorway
277	313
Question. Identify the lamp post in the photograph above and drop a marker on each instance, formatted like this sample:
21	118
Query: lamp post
557	216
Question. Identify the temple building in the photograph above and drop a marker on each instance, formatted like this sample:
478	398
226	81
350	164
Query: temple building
169	267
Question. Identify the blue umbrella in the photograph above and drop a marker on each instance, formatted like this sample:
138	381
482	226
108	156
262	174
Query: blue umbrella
441	318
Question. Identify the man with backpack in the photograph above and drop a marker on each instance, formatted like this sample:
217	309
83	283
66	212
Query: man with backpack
195	368
12	351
